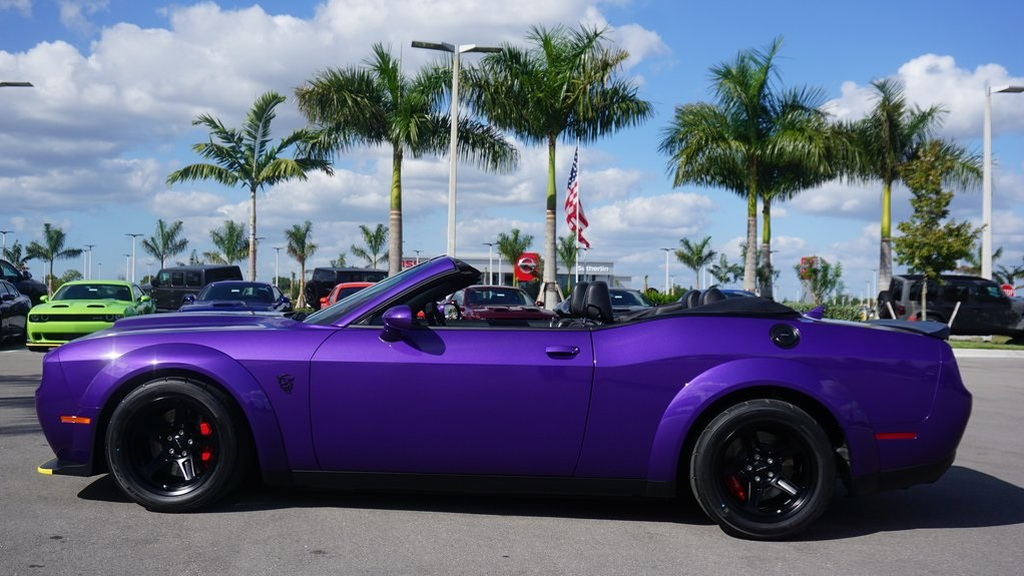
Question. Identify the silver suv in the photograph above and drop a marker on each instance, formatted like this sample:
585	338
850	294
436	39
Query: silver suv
983	310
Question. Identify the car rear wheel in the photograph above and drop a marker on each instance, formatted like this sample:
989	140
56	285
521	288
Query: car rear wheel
174	445
763	470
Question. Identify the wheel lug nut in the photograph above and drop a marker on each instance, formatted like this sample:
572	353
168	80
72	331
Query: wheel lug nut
770	461
171	451
749	467
757	478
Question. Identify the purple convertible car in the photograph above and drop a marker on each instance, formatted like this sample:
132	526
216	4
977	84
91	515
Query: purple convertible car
754	408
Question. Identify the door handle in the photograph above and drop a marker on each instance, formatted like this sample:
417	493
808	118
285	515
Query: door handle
562	351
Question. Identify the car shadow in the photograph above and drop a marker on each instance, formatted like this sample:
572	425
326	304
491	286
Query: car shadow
963	498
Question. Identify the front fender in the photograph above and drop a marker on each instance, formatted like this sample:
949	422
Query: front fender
140	365
703	392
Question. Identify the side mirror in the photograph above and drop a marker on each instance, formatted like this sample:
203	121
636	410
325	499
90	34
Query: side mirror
145	298
189	299
6	296
397	320
26	275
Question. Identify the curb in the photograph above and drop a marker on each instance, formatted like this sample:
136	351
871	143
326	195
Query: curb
983	353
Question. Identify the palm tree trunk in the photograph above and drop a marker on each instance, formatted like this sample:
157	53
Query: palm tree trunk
395	215
767	290
252	234
550	289
885	248
750	258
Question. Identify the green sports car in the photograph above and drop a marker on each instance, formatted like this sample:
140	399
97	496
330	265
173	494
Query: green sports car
83	307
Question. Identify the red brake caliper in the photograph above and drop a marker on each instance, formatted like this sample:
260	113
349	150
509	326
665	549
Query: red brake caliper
206	430
736	488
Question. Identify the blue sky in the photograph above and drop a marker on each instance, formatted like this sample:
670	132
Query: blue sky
117	83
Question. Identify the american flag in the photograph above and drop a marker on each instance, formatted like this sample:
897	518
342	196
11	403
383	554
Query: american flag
573	207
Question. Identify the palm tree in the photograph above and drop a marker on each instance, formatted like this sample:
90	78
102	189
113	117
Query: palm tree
755	141
300	248
565	85
166	242
15	255
889	138
231	243
51	249
339	262
377	104
245	157
695	255
512	246
725	272
568	251
373	245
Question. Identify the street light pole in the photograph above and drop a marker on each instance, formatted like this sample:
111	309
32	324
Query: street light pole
277	265
5	233
134	236
667	251
88	261
455	50
490	262
986	186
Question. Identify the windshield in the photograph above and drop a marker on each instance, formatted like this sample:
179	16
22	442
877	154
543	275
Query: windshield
246	292
626	298
93	292
497	297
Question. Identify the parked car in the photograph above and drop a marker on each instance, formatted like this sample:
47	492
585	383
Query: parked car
494	303
172	284
83	307
981	307
237	295
14	307
342	291
750	406
325	278
23	281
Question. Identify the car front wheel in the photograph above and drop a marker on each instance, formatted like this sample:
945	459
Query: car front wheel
174	445
763	469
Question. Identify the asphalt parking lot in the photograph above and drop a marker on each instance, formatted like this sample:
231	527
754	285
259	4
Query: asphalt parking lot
970	522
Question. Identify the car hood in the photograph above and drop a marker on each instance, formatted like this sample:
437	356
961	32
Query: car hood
225	305
97	306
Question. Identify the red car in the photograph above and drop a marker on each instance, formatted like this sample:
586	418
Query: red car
494	303
341	291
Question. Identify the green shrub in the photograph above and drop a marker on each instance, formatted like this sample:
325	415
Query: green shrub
833	311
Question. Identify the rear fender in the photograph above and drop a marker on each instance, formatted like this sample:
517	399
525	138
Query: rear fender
142	365
699	400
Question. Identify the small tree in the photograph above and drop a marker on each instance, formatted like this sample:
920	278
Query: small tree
339	262
568	252
374	242
695	255
167	241
931	243
231	243
300	248
822	278
52	248
512	245
724	272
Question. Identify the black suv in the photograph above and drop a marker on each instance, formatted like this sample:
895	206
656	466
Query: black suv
326	278
23	281
983	310
172	284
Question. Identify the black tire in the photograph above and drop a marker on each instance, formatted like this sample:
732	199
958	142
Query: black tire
763	470
175	445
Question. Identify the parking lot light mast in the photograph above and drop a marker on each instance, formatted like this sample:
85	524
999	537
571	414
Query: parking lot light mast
5	233
490	262
455	50
667	252
134	236
986	186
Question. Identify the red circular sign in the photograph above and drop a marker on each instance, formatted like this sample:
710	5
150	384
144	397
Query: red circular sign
1008	290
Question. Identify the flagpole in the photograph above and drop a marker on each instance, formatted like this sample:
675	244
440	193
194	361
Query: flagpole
576	232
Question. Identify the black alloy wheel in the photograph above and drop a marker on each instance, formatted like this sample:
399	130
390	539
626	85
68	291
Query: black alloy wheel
763	470
173	445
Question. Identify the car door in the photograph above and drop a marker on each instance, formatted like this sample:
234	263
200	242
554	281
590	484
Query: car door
450	400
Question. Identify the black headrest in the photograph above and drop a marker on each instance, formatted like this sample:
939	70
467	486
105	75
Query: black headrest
690	298
711	295
598	302
578	300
